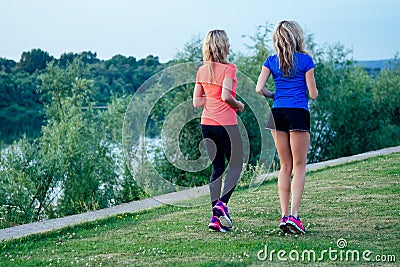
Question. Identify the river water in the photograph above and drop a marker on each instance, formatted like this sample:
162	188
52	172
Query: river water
13	126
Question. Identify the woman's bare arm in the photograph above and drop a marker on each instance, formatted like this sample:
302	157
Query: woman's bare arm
262	80
198	96
227	97
312	86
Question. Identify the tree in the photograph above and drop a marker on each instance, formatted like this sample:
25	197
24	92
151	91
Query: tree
74	156
67	58
250	63
385	102
7	65
191	51
33	60
342	118
18	171
89	57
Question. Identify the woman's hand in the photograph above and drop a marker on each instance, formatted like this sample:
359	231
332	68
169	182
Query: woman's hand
240	107
267	93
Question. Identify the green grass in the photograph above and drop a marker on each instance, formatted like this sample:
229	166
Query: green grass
359	202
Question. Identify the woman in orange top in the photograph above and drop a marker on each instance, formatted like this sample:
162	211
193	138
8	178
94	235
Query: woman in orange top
215	89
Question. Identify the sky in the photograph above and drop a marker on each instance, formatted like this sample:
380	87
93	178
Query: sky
370	28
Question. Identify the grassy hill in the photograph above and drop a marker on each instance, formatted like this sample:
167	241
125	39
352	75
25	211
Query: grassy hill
349	210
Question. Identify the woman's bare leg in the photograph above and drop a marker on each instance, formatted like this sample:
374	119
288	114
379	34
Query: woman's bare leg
285	158
299	143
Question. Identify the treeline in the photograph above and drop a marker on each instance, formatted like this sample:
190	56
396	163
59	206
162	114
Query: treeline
119	75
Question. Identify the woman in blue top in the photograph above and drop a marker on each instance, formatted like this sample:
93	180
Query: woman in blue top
293	72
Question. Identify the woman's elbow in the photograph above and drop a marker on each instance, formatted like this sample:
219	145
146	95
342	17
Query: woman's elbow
196	103
225	98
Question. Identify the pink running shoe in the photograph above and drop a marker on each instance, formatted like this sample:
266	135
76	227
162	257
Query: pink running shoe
295	225
220	210
215	224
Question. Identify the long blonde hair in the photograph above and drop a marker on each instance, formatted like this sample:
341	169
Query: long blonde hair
288	38
215	49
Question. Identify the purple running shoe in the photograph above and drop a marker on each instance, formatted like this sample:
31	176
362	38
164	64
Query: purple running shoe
215	224
220	210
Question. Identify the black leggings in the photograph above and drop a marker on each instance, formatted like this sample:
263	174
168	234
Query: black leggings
223	142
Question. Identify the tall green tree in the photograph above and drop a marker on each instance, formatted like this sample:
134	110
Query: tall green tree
385	102
76	159
35	59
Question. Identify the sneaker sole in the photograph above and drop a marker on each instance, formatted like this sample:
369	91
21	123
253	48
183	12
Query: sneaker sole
226	229
294	228
284	228
224	220
216	228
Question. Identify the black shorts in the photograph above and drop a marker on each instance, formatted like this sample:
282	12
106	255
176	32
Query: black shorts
289	119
